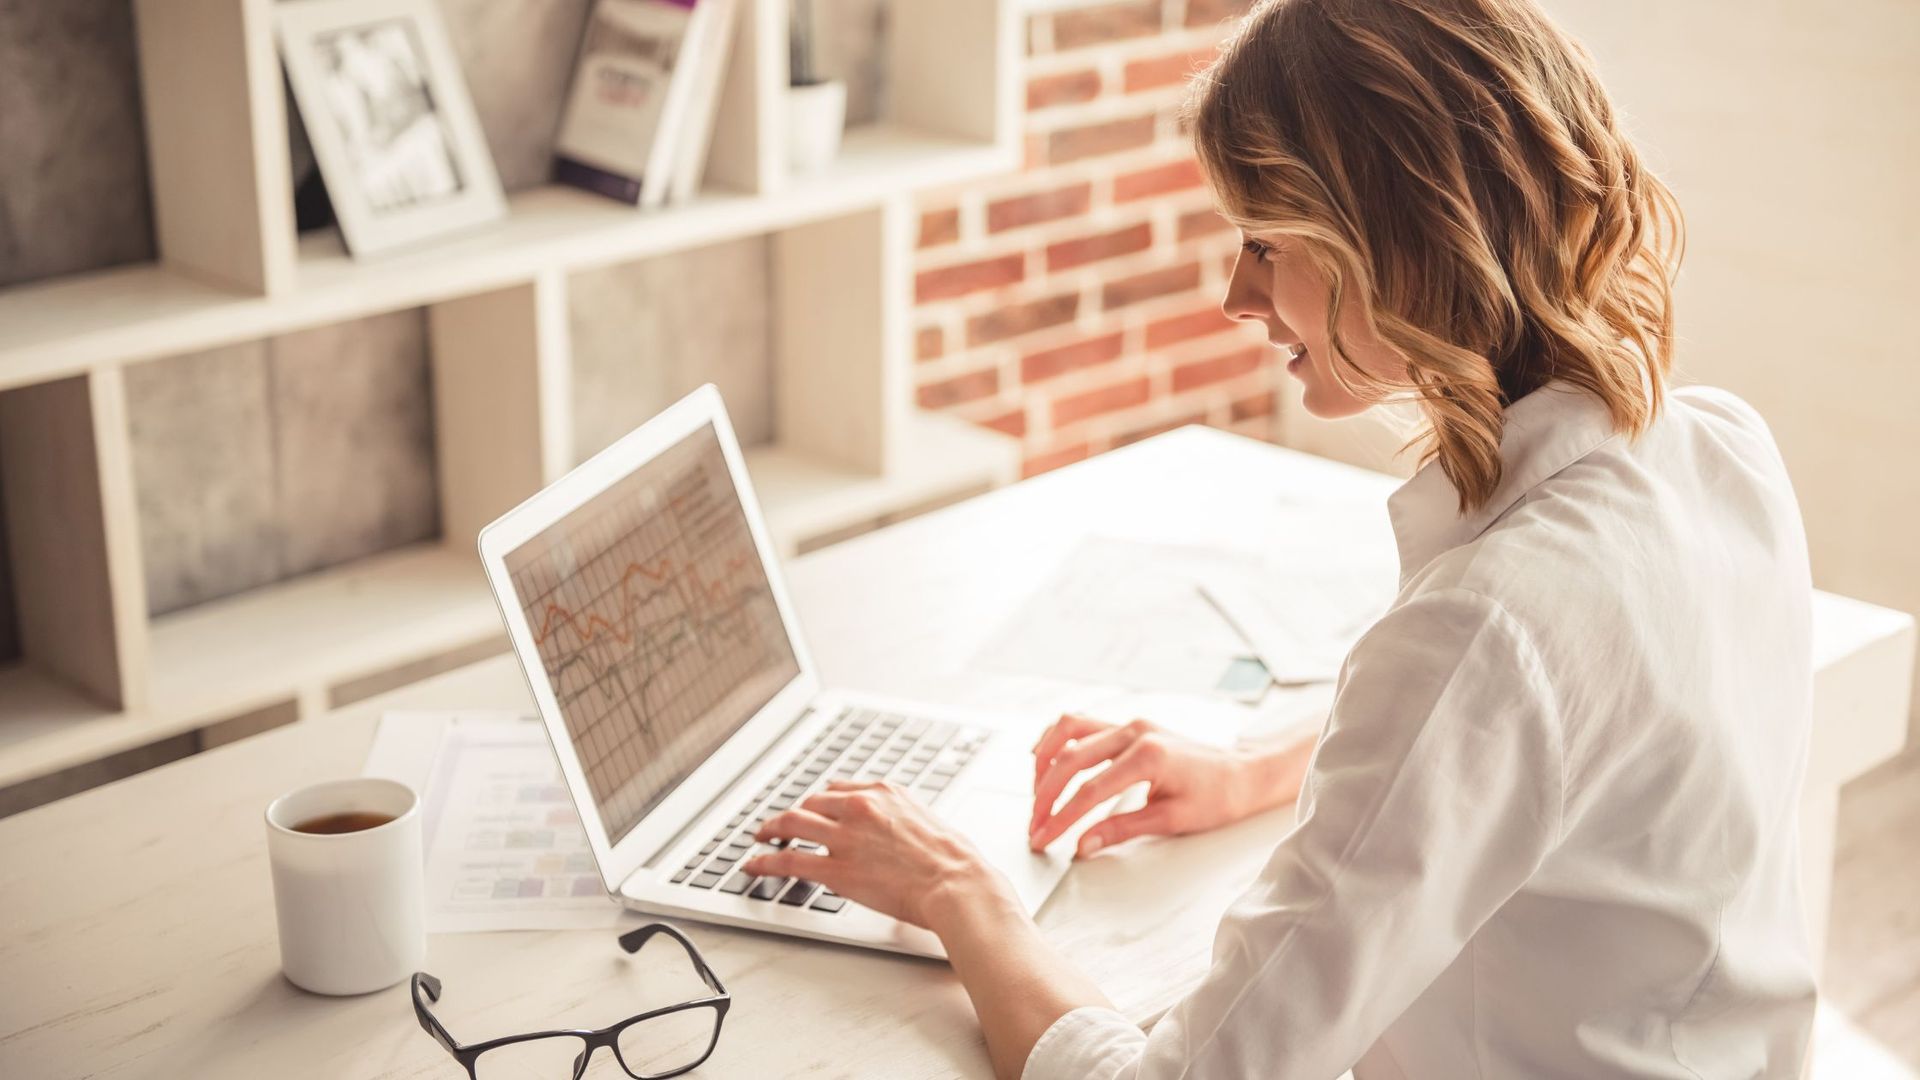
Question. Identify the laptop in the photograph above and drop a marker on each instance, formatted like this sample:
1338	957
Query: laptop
645	604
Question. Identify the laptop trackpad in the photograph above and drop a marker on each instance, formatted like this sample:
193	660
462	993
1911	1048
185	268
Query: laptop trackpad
996	822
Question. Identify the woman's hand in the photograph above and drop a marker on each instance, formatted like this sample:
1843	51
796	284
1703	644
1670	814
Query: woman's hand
884	851
889	853
1192	787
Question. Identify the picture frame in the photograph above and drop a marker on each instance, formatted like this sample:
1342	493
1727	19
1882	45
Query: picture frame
386	109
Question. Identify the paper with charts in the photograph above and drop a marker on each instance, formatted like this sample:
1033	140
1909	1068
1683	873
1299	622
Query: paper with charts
1322	580
1121	612
656	625
504	846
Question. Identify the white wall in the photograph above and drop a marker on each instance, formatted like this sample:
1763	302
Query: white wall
1791	133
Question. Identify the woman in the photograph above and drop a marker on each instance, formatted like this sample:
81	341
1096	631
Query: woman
1547	830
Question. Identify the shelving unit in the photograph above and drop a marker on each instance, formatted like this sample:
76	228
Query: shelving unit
73	325
99	677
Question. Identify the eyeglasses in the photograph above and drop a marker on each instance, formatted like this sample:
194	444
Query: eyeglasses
651	1046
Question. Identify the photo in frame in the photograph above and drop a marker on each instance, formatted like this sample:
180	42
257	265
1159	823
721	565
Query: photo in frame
386	109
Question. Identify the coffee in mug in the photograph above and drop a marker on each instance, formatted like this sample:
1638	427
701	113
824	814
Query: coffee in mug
349	884
351	821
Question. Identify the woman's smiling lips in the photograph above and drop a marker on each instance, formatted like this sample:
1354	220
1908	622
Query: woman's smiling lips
1296	356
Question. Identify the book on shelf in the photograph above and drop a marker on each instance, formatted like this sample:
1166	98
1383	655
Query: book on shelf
705	107
646	90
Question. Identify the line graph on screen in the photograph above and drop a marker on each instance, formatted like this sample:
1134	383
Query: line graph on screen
654	623
699	615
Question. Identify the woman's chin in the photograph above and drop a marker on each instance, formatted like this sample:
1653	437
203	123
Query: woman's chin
1329	402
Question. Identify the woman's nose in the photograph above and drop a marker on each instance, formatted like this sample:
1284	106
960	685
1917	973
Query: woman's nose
1244	300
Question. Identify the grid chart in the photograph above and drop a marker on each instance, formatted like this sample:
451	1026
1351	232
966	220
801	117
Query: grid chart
655	624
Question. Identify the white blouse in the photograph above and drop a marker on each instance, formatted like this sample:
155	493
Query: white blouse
1549	829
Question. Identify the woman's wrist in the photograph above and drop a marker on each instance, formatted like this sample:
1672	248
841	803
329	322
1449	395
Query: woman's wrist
1020	986
1268	777
966	895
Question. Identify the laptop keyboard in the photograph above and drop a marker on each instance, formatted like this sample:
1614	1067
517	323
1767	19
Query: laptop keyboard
921	755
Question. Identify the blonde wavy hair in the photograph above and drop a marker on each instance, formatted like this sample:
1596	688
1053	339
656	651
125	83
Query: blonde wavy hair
1455	166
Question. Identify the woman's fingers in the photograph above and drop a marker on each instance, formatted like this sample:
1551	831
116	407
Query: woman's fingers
854	785
1125	771
844	788
1154	819
1069	762
1069	726
831	804
796	864
882	850
800	823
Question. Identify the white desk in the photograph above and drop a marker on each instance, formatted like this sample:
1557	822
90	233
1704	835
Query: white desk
138	935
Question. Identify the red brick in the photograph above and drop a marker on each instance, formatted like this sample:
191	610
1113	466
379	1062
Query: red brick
929	343
1220	368
1035	156
972	386
1197	323
1201	223
1092	140
1247	408
939	227
1066	88
1039	206
950	281
1013	423
1081	27
1016	319
1169	70
1054	459
1121	395
1162	282
1045	365
1151	430
1210	12
1080	251
1174	176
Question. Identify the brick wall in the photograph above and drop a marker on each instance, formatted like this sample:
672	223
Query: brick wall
1076	304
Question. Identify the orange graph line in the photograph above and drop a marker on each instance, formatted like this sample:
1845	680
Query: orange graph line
557	616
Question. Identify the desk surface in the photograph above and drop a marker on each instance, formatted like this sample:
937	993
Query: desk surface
139	937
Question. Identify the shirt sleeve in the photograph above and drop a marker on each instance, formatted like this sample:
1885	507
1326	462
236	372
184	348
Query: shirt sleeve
1435	793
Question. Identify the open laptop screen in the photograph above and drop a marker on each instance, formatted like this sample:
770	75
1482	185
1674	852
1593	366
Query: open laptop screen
655	625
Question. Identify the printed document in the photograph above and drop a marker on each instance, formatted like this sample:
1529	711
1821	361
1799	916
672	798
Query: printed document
504	846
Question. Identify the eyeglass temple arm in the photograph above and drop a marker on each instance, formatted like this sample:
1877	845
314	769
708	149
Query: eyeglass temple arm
429	1022
632	940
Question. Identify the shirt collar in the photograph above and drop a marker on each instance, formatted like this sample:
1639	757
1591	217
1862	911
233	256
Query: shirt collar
1544	432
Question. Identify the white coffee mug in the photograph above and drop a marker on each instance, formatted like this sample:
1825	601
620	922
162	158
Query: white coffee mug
351	905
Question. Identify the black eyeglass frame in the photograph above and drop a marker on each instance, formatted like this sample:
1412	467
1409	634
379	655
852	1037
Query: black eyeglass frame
468	1055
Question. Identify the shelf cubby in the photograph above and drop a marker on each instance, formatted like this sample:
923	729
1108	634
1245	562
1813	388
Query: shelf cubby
77	595
307	634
